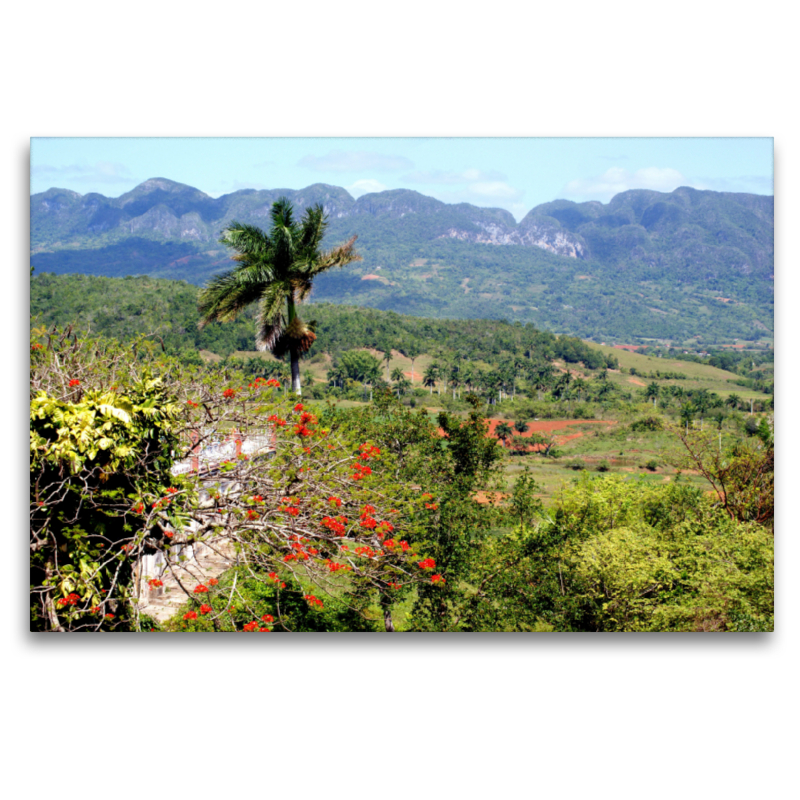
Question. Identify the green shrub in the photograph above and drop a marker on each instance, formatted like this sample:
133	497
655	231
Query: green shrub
652	465
603	466
648	424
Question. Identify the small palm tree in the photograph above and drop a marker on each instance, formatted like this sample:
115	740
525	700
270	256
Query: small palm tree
503	432
412	351
277	270
520	426
387	357
431	375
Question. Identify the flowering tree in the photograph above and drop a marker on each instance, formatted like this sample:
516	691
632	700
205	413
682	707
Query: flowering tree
324	516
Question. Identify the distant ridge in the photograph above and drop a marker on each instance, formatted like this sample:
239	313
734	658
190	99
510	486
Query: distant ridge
651	264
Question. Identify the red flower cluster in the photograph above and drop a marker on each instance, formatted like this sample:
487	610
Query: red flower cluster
368	522
385	527
252	513
260	382
427	563
192	404
279	421
313	601
273	382
389	543
138	508
336	501
302	430
367	451
336	525
394	585
427	496
361	472
290	505
366	551
109	616
257	498
74	382
154	583
437	579
298	407
36	346
274	576
200	589
229	394
212	581
190	615
334	566
268	618
431	506
168	534
69	600
251	626
205	608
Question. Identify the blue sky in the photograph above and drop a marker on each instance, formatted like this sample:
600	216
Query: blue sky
512	173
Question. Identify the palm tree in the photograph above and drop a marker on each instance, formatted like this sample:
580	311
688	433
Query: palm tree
412	350
387	357
431	374
503	431
275	268
687	414
652	391
520	426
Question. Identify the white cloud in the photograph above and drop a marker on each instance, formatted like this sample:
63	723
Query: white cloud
618	179
355	161
365	186
99	172
451	177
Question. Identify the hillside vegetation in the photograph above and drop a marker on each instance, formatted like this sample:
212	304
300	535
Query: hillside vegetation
647	266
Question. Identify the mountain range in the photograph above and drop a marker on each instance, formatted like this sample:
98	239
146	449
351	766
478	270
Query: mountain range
647	265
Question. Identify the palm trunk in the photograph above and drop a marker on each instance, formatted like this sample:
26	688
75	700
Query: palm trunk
296	388
293	354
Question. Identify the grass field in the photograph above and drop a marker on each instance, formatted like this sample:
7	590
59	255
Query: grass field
699	376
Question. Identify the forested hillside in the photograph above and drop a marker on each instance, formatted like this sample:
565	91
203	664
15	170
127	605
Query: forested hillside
646	266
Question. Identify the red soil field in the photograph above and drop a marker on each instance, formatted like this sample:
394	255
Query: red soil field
547	426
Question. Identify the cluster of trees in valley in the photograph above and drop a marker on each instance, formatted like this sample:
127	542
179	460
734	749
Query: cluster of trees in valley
324	543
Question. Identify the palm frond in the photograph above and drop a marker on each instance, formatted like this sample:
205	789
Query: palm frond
282	214
227	295
337	257
269	319
246	240
296	338
312	231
